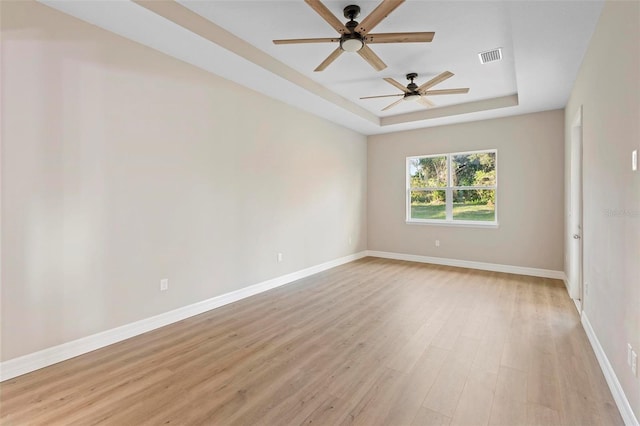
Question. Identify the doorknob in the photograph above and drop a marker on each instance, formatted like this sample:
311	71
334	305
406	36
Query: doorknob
576	236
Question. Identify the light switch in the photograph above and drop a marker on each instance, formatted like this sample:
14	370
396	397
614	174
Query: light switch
634	160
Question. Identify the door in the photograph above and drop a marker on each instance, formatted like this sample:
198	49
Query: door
575	212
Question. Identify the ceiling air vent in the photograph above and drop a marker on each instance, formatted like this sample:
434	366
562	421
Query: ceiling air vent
490	55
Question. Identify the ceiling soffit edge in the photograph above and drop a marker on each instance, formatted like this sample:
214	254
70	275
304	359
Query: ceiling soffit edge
201	26
458	109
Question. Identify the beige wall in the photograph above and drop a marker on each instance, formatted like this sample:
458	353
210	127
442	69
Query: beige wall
530	192
122	166
608	88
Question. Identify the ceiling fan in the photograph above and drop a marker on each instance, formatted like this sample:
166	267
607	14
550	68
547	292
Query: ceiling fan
413	92
355	36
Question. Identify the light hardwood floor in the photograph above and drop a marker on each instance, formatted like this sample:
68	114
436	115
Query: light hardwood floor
373	342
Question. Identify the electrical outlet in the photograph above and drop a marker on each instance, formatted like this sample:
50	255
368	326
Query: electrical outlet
279	257
634	160
634	363
164	284
437	243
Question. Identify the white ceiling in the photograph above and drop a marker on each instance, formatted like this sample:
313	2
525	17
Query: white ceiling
543	43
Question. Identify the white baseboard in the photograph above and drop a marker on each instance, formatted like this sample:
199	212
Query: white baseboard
567	286
612	380
520	270
34	361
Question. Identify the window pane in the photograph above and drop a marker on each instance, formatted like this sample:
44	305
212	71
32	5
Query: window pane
428	205
428	172
478	169
474	204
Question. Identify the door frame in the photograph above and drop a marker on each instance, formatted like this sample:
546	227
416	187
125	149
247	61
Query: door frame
576	248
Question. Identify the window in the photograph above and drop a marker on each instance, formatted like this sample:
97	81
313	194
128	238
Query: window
455	188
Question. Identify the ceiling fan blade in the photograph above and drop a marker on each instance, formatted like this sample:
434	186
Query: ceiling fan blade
373	59
332	57
382	96
437	79
396	84
425	102
393	104
326	14
445	92
306	40
378	14
400	37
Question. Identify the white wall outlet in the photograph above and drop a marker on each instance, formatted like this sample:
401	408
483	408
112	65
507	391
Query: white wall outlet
164	284
437	243
279	257
634	363
350	240
634	160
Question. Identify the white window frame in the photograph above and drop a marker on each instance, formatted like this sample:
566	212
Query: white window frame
449	221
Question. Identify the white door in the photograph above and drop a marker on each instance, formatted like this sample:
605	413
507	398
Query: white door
575	212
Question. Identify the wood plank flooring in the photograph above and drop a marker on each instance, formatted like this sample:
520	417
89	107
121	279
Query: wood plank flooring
373	342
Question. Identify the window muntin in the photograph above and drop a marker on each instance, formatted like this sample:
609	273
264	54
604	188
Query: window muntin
458	188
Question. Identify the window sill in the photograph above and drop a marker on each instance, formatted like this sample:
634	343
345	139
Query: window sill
456	223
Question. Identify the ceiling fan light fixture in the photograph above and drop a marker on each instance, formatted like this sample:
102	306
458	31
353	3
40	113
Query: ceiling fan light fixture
412	97
351	44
